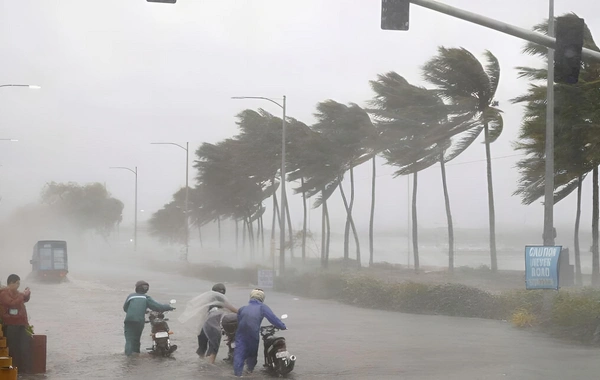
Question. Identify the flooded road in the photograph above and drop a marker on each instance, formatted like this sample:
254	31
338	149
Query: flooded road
83	320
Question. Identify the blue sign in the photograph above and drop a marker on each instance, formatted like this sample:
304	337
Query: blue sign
541	267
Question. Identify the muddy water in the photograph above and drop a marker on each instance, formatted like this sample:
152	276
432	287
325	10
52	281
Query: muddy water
83	321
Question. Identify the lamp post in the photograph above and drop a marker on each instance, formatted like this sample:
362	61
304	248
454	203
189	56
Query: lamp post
283	195
187	168
135	172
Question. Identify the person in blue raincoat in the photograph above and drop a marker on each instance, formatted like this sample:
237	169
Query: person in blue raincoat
135	306
247	335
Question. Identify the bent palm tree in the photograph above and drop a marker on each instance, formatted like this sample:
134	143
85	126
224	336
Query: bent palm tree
463	81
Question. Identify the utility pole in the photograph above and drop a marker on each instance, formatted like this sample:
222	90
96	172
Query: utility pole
548	235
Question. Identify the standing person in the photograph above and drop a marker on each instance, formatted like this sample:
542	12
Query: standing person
15	321
209	338
206	311
247	336
135	306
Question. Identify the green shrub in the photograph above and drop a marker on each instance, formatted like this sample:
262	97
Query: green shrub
569	314
529	300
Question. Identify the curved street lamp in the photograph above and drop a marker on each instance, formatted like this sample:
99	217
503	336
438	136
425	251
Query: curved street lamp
135	172
31	86
187	168
283	195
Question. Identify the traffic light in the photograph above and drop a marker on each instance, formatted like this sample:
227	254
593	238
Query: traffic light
395	14
162	1
567	55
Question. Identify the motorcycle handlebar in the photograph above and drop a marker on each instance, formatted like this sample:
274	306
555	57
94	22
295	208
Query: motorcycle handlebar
270	327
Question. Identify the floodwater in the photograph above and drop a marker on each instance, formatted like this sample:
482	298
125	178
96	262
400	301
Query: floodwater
83	321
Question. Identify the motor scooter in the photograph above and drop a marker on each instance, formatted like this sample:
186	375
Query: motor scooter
228	328
160	333
277	357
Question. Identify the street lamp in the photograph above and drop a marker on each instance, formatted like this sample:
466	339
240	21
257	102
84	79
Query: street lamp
283	195
135	172
31	86
187	167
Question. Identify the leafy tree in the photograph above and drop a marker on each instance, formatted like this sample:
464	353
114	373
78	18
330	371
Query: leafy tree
577	138
84	207
350	131
463	81
416	127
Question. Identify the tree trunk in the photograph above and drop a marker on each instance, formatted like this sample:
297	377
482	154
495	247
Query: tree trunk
595	256
289	223
200	236
237	237
304	218
349	216
415	229
275	217
327	245
262	235
348	213
448	216
323	233
244	229
578	279
492	212
372	217
219	229
250	226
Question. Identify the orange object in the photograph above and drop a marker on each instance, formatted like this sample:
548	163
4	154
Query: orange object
38	353
6	362
8	374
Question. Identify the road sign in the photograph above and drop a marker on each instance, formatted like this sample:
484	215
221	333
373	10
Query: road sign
265	278
541	267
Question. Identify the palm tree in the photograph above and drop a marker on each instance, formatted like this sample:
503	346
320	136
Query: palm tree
576	142
350	131
462	80
313	159
417	127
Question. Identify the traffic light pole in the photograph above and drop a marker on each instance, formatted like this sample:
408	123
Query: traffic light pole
500	26
548	235
545	40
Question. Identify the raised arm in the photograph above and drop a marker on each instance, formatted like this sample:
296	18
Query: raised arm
153	305
267	313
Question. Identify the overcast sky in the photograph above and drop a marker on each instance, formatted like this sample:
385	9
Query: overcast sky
117	75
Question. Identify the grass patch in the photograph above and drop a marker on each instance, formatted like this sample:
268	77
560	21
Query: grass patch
571	314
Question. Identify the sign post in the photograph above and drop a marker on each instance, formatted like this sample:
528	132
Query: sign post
541	267
265	278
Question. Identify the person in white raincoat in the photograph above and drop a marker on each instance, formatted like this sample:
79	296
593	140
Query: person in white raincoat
205	311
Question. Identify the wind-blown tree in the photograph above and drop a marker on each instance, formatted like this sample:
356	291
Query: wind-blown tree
577	138
84	207
417	127
313	161
351	133
260	133
225	175
463	81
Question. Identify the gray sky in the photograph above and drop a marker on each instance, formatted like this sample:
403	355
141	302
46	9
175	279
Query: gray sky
117	75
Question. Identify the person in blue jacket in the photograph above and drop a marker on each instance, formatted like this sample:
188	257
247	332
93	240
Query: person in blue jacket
135	306
247	335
